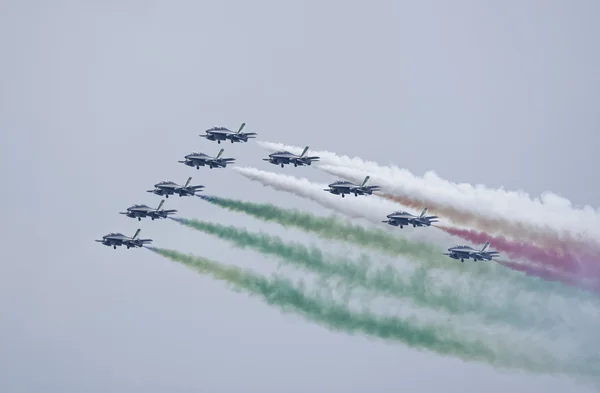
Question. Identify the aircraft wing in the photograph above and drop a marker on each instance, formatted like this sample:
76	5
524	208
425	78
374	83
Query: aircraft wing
486	254
426	220
372	188
215	162
188	188
171	211
245	134
223	161
138	242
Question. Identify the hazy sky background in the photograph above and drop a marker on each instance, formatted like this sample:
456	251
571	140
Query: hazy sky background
99	99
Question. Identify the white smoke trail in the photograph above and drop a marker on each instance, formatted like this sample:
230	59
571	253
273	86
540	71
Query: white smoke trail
524	224
369	208
374	212
549	212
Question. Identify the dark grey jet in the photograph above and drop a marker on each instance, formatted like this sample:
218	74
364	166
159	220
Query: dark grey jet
463	252
285	157
197	160
166	188
222	134
401	218
140	211
115	239
342	187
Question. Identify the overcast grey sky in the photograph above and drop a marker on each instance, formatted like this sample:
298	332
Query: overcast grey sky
99	99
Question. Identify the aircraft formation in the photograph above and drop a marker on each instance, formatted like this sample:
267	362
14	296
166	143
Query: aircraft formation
282	158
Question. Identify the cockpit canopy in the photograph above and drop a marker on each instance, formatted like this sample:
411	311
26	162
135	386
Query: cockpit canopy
282	152
218	128
341	182
114	234
139	205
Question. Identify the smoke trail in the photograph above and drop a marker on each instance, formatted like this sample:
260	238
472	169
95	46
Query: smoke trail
330	228
497	212
552	275
371	209
550	210
336	317
517	230
566	268
381	241
420	286
307	189
487	224
514	249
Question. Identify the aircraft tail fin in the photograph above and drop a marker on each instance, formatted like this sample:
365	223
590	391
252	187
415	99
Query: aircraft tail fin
220	152
241	127
365	181
304	151
136	233
160	204
485	246
188	181
423	212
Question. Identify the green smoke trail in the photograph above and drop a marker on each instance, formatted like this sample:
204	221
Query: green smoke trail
381	241
330	228
288	297
387	281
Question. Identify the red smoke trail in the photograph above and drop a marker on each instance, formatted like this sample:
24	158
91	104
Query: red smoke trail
563	261
564	243
547	274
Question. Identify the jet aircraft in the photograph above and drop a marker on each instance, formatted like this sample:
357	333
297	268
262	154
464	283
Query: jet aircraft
222	134
166	188
463	252
118	239
342	187
139	211
197	160
285	157
401	218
